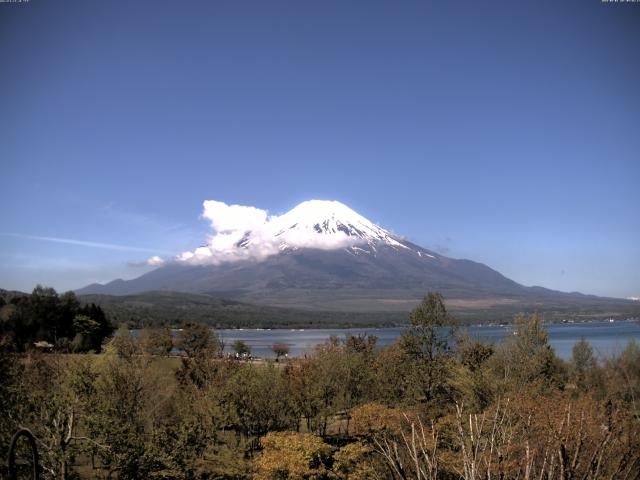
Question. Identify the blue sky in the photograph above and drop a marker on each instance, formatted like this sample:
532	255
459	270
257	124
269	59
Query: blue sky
504	132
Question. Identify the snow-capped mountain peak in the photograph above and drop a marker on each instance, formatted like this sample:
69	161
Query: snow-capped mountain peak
330	218
250	233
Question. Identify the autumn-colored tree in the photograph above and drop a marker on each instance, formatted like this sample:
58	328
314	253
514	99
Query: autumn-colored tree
123	343
280	349
361	344
318	385
370	419
292	456
401	440
357	461
156	341
297	374
622	377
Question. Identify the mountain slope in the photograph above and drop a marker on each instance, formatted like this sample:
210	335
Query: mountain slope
324	256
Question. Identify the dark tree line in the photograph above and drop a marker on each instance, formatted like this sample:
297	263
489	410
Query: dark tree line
53	321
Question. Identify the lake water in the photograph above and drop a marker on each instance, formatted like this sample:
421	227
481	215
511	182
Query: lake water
606	338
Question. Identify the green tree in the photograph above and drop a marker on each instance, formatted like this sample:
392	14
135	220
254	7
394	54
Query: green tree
583	362
196	339
257	400
471	377
44	315
527	359
50	401
86	329
471	352
328	387
425	341
47	317
105	327
126	404
395	372
240	348
358	358
39	317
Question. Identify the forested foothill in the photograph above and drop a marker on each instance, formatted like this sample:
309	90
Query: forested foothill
174	309
421	408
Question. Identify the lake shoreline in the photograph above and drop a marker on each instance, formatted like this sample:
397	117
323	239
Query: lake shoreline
606	337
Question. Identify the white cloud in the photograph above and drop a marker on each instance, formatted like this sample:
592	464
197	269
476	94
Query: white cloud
155	261
230	218
249	233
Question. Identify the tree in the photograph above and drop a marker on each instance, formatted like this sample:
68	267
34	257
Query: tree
327	382
280	349
583	362
126	393
356	461
156	341
50	401
472	353
46	316
123	343
400	439
396	373
293	456
622	374
86	329
363	344
357	367
68	309
471	378
426	343
526	358
105	327
241	348
370	419
257	399
196	339
9	374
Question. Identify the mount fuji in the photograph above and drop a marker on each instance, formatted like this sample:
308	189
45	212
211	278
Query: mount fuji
322	255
